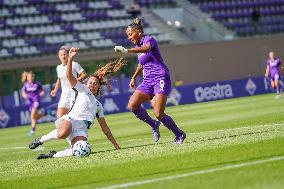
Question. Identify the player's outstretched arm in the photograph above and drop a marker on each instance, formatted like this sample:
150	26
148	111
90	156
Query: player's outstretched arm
57	86
135	75
82	76
267	71
72	80
143	49
24	94
107	132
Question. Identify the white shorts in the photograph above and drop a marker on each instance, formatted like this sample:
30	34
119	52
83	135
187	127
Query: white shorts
66	100
79	127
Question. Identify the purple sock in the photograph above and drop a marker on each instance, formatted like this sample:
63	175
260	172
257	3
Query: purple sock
33	129
170	124
142	114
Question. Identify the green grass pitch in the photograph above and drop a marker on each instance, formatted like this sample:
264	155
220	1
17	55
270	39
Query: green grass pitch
235	143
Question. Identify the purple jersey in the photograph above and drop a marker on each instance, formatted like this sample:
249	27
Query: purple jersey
273	66
152	61
32	90
156	76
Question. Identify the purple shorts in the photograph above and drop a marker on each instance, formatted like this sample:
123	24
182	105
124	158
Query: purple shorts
158	85
274	77
33	104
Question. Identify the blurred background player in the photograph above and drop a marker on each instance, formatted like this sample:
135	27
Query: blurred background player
32	91
76	123
273	71
67	93
156	81
178	82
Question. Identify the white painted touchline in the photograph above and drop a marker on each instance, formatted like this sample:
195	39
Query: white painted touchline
22	147
227	167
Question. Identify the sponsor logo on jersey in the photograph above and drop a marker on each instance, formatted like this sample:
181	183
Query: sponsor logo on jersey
213	92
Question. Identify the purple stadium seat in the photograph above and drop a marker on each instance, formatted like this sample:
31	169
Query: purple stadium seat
2	23
55	18
34	1
48	8
68	27
19	31
83	5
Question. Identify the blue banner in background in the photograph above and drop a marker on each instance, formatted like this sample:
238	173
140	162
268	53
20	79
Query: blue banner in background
14	110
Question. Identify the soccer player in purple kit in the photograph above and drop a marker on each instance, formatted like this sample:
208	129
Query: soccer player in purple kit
156	81
273	70
32	90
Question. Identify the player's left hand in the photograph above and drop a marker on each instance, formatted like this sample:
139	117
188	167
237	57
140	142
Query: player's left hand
120	49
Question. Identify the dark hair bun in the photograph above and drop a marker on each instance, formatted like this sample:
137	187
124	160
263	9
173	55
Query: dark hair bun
137	21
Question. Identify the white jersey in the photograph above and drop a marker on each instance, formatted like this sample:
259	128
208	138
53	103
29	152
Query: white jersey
61	74
100	110
84	106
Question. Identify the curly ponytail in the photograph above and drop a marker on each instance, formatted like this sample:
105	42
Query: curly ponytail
109	68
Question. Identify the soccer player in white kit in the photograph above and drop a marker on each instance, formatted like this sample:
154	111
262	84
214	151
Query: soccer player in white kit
67	93
75	124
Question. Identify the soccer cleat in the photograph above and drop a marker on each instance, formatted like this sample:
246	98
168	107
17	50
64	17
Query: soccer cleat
45	156
179	139
156	132
278	96
31	133
34	144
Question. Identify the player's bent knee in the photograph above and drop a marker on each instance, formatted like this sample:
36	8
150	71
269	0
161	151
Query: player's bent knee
131	107
62	134
158	114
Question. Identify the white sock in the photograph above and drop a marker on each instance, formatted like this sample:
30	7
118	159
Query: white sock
50	136
64	153
69	141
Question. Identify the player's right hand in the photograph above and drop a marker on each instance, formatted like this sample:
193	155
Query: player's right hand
53	93
120	49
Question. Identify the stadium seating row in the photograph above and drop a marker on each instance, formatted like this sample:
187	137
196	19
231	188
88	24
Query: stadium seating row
18	47
246	17
36	27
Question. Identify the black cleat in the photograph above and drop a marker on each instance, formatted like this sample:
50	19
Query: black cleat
35	143
45	156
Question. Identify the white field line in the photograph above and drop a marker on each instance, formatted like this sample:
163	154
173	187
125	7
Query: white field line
245	127
15	148
22	147
138	139
201	172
